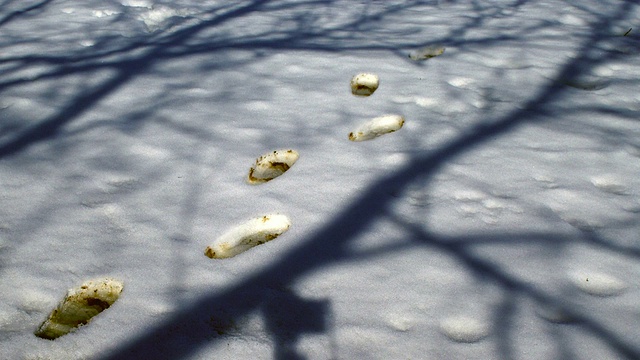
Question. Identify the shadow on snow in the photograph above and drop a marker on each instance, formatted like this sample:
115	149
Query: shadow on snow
287	315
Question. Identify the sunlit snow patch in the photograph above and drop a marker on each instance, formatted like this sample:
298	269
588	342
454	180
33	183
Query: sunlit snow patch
157	16
272	165
252	233
104	13
377	127
79	306
598	284
137	3
427	52
400	322
364	84
464	329
87	42
609	184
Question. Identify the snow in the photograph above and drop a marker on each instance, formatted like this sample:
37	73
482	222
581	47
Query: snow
127	129
79	306
247	235
364	84
377	127
270	166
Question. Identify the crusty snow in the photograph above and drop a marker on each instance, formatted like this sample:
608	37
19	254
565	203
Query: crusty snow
249	234
377	127
501	222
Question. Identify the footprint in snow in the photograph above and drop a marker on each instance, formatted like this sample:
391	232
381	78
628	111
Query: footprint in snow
400	322
79	306
546	182
104	13
464	329
598	284
243	237
377	127
480	205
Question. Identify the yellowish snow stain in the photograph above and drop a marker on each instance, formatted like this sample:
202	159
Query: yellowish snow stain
243	237
364	84
464	329
272	165
598	284
79	306
377	127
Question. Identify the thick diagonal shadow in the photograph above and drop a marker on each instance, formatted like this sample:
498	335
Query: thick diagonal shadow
330	244
515	286
184	332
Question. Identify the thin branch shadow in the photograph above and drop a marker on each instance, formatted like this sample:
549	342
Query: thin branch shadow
27	11
515	286
330	244
184	332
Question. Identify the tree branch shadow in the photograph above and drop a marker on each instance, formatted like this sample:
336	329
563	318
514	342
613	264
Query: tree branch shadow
515	287
184	332
27	11
330	244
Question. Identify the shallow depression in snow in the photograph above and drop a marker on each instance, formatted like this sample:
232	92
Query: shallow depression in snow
149	114
610	183
464	329
598	283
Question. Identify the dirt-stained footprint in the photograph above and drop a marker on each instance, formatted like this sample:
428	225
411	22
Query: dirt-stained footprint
79	306
377	127
245	236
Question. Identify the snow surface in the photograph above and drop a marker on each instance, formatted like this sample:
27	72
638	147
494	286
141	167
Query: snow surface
127	129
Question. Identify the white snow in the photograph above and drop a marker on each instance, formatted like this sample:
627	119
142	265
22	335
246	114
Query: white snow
377	127
464	329
138	3
364	84
79	306
599	284
127	129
